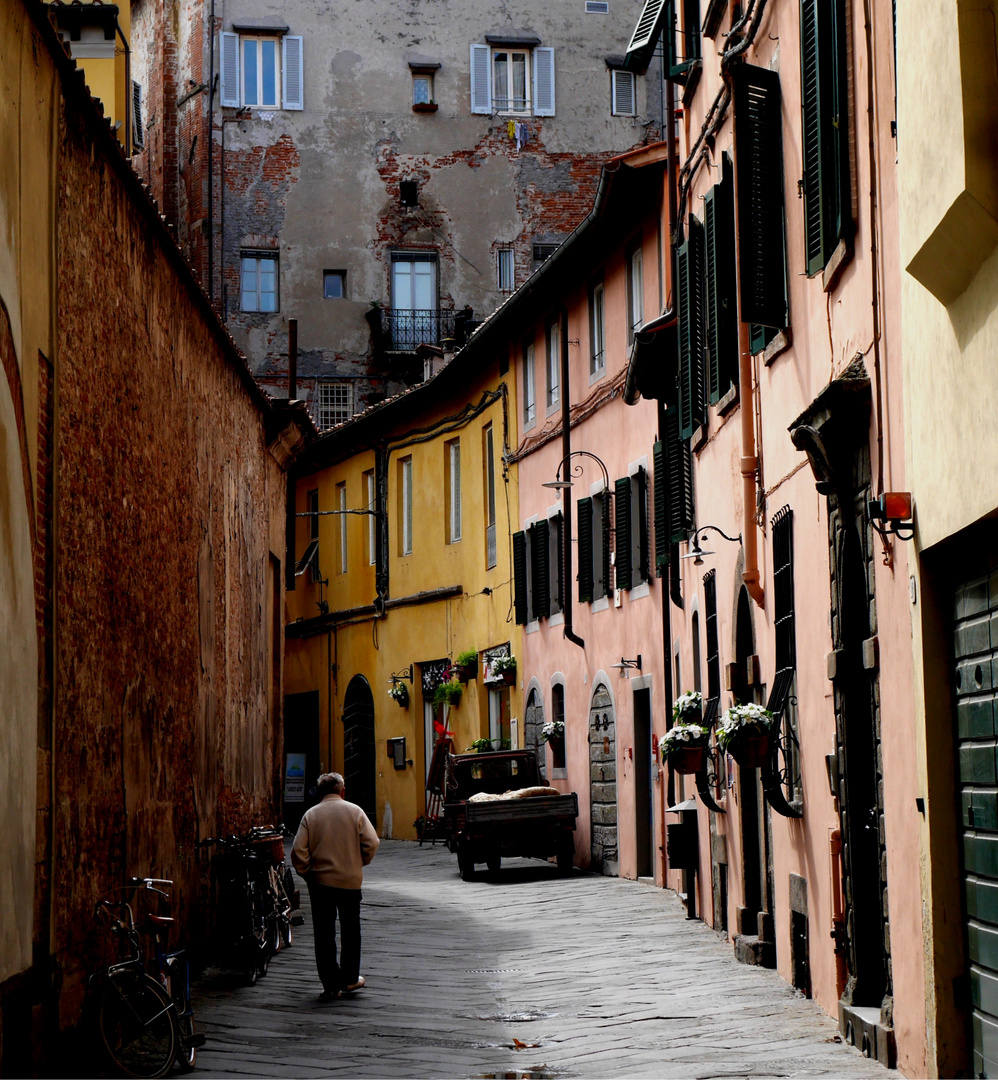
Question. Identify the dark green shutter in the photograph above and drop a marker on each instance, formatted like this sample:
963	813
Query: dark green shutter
680	468
759	145
558	591
710	291
661	482
824	130
641	524
724	356
760	337
520	577
540	568
623	506
606	515
585	550
691	329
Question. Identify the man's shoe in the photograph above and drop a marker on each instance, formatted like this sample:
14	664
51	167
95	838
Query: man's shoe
329	995
355	986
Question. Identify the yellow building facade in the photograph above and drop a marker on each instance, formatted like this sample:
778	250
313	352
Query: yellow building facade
402	541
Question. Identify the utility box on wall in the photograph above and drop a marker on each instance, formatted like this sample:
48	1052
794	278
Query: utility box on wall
396	751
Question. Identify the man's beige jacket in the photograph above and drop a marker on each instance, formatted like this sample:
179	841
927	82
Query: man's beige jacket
334	842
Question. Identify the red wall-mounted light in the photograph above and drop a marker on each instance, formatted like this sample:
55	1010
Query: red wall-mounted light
892	512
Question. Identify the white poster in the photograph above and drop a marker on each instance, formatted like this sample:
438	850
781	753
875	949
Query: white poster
294	778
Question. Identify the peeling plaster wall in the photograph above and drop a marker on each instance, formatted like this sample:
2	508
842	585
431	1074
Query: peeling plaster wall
321	185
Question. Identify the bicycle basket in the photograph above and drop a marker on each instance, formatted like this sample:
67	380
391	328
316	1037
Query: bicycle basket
272	846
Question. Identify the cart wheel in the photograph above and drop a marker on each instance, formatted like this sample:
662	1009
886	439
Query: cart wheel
493	862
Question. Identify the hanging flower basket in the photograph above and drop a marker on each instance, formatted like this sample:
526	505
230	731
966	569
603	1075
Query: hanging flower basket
466	666
504	667
448	693
683	746
554	731
399	693
688	708
745	733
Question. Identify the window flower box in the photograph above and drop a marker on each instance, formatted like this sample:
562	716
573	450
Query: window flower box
425	106
746	734
683	747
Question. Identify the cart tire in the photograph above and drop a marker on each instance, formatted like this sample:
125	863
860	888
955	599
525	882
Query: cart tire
494	862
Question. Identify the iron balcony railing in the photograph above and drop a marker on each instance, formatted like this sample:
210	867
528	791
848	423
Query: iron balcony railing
405	329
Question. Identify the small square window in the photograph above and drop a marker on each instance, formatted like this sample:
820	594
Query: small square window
333	403
422	89
334	284
258	281
623	93
597	7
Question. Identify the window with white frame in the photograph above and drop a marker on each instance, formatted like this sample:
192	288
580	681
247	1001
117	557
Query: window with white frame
258	281
405	506
333	403
635	294
262	71
452	485
529	393
597	329
341	505
513	79
422	87
504	269
623	93
553	364
372	521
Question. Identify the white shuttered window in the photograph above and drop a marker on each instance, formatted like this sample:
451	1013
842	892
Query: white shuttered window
293	73
623	93
510	80
543	81
228	48
263	72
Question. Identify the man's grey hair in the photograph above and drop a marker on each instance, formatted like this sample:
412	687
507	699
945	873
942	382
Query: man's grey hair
330	783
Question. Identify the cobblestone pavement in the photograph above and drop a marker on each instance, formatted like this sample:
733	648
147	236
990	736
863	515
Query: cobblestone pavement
528	975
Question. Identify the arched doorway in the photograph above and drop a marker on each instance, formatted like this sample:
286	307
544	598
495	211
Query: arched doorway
533	721
358	746
603	783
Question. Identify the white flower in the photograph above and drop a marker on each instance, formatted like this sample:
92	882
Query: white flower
682	736
555	729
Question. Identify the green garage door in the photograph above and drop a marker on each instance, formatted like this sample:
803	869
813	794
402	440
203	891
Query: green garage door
976	668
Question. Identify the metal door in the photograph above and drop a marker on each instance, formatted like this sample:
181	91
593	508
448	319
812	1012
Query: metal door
603	783
358	746
975	652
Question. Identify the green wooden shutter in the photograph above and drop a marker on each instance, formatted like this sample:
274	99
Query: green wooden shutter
760	337
640	523
759	145
726	298
661	496
710	292
691	330
623	506
680	480
520	577
585	550
824	130
558	556
540	568
606	504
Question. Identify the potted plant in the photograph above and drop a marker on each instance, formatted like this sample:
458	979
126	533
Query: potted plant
553	731
683	747
466	665
448	693
399	693
480	746
504	667
688	708
745	734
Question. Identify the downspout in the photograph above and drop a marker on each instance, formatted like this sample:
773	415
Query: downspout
211	154
566	493
749	460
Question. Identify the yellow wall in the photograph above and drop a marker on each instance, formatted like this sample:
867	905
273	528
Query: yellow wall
947	158
413	632
109	80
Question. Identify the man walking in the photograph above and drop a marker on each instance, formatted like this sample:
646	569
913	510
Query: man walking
335	841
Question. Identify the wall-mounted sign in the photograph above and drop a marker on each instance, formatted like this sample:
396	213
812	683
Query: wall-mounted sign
294	778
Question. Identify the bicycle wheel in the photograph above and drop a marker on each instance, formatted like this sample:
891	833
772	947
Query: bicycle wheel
187	1043
187	1051
137	1026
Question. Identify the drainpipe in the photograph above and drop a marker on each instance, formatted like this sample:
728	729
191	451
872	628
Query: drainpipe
211	154
566	493
749	461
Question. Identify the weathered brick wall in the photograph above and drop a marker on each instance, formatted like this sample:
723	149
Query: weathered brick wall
168	507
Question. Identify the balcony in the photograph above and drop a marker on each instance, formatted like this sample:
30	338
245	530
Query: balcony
403	330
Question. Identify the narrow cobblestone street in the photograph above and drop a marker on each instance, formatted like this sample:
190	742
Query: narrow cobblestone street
527	975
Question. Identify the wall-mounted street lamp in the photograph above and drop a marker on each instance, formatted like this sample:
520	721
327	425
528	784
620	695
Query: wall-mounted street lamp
627	665
697	551
576	470
405	673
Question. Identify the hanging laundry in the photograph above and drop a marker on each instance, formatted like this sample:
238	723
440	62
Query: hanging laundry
511	129
522	132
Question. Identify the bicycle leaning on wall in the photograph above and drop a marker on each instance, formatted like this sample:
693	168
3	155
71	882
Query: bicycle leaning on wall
143	1019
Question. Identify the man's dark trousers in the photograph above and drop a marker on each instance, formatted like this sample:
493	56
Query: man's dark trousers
327	902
